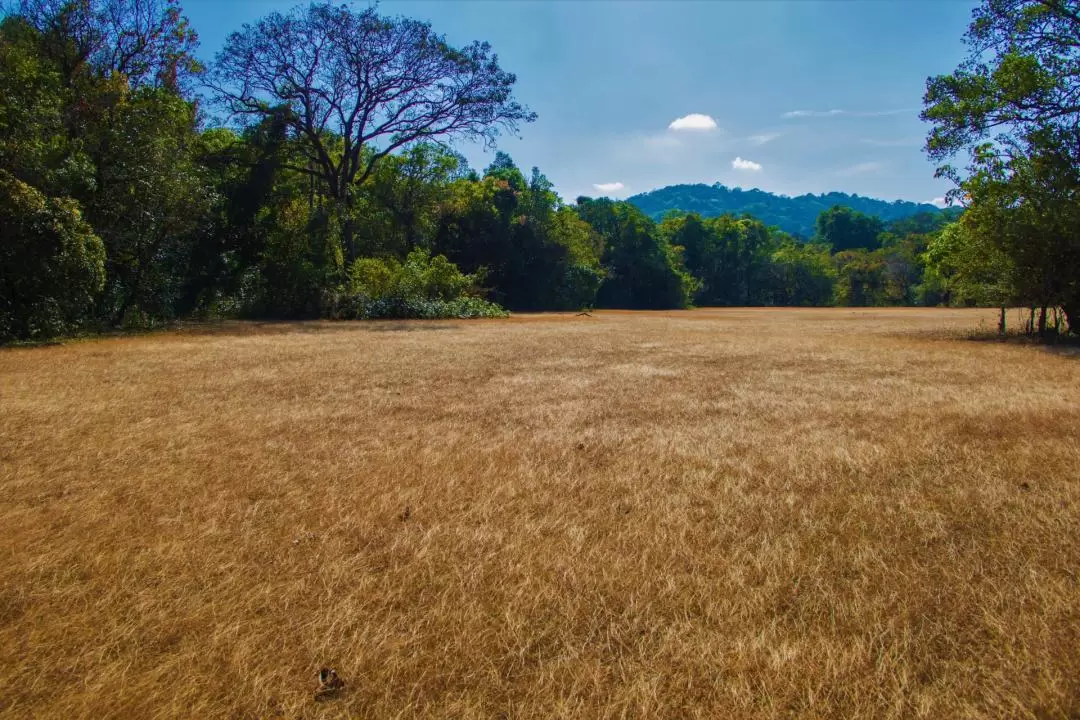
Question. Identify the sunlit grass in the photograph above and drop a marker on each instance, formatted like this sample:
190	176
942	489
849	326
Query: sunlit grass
719	513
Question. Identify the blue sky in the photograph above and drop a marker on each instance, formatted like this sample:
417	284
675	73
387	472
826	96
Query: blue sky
791	97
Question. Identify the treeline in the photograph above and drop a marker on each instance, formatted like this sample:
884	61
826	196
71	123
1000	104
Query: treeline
332	192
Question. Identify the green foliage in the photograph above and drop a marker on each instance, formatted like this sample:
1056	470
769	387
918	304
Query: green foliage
400	208
860	278
421	287
51	264
538	255
346	81
421	275
729	256
1011	105
1019	80
969	267
33	145
300	257
644	270
802	274
842	228
152	204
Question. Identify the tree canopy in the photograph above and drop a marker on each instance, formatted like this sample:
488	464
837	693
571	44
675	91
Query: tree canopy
356	86
1013	106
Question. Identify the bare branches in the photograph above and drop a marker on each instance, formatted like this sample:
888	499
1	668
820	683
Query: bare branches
147	41
359	86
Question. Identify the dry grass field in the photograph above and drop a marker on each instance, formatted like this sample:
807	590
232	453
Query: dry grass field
706	514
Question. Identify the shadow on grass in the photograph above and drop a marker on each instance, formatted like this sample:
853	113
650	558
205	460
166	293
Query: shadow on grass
235	328
1068	345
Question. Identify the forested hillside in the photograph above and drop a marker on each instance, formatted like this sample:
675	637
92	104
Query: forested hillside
795	215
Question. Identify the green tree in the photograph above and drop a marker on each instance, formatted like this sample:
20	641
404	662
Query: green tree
1011	105
152	202
535	253
802	274
730	256
143	43
34	145
358	87
860	278
969	266
643	269
1026	207
51	264
845	229
400	207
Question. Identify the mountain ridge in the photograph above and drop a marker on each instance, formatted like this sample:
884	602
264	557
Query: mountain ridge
796	215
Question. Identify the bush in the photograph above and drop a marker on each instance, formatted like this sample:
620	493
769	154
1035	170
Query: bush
423	287
52	265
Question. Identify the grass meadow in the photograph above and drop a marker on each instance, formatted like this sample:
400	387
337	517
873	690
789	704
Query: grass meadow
722	513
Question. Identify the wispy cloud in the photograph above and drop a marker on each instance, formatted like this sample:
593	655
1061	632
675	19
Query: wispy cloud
765	137
609	187
693	121
849	113
863	168
739	164
812	113
939	201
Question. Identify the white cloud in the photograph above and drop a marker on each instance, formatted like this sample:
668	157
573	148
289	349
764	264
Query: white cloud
851	113
939	201
762	138
740	164
609	187
863	168
693	121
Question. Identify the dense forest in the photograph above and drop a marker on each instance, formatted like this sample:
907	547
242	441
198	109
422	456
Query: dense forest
796	215
308	171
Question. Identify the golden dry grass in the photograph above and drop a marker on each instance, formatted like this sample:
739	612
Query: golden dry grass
710	514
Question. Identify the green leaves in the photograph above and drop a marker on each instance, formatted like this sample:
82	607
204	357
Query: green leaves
52	265
845	229
1014	106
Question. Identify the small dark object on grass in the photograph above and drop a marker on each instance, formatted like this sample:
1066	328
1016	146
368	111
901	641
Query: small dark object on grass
406	513
329	684
586	314
1025	486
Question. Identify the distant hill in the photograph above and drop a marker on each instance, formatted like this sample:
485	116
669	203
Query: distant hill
796	215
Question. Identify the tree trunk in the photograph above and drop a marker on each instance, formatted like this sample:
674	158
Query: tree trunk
1072	315
1001	322
348	242
1042	322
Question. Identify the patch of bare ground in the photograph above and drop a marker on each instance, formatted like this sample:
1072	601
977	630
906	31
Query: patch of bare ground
716	513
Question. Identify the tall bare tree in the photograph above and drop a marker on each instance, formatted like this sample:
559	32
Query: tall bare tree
358	86
149	42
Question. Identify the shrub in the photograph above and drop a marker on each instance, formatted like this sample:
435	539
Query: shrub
423	287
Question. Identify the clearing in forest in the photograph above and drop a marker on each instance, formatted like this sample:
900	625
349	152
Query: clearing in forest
714	513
